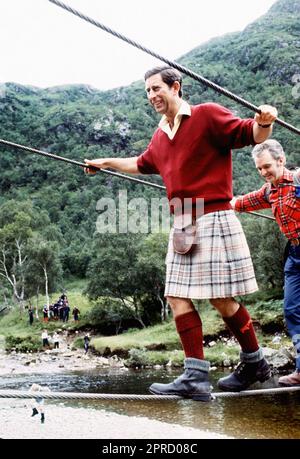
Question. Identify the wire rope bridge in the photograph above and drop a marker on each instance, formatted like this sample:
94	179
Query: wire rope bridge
14	394
17	394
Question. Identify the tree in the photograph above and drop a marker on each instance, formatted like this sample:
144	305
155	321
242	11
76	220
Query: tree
14	236
44	265
151	263
24	254
131	268
113	272
108	312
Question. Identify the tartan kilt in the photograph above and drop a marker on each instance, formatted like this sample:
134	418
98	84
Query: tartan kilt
220	264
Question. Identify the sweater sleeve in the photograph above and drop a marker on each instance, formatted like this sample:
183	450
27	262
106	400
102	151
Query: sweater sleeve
228	130
146	163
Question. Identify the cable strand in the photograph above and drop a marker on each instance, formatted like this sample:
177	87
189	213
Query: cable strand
100	396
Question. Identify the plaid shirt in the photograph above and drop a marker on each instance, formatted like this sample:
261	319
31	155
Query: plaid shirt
284	200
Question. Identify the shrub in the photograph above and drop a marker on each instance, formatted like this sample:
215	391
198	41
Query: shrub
22	344
142	358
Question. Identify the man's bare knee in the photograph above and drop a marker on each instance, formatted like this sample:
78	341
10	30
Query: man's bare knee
227	307
180	306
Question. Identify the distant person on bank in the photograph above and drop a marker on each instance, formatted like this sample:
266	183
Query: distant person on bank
191	150
86	342
76	313
281	193
30	315
38	401
45	338
56	340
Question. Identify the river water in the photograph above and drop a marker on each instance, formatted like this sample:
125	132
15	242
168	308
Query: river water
259	417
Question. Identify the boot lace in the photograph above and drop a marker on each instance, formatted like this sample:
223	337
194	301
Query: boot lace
240	369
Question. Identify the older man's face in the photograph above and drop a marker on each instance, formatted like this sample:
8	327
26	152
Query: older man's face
269	168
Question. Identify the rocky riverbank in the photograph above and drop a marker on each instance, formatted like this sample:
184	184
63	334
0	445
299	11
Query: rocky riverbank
53	361
66	359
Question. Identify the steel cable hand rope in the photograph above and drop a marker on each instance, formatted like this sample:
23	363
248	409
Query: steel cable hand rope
98	396
173	64
83	165
77	163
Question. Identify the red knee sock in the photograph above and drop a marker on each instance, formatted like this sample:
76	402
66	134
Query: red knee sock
189	327
241	326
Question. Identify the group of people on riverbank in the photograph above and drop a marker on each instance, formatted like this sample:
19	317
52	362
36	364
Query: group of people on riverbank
60	310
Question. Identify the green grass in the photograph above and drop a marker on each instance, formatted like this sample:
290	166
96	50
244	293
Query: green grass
163	334
143	358
2	342
218	355
159	334
140	345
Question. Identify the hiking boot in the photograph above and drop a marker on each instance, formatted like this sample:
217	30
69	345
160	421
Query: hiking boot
246	373
34	412
193	383
290	380
42	418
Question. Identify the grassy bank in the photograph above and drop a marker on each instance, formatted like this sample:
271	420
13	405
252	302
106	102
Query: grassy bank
160	344
18	334
154	345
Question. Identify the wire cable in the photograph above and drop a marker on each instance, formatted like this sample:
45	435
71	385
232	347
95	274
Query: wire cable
77	163
83	165
98	396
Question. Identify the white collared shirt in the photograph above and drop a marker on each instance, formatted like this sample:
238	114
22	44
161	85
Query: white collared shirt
184	109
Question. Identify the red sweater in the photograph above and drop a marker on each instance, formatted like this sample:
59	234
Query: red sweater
197	163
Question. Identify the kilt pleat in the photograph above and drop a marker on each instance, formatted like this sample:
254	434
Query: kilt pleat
220	265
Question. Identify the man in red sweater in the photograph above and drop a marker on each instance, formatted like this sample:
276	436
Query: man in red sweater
191	150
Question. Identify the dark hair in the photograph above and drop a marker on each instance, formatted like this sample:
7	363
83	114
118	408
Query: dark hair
168	75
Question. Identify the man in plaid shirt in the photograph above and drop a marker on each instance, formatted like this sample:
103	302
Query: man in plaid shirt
281	193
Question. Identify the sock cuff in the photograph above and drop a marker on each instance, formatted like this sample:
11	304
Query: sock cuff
188	321
252	357
196	364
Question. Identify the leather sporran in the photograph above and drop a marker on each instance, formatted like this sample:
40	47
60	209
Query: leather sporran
184	234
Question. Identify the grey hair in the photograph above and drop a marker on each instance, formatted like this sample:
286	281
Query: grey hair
272	146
